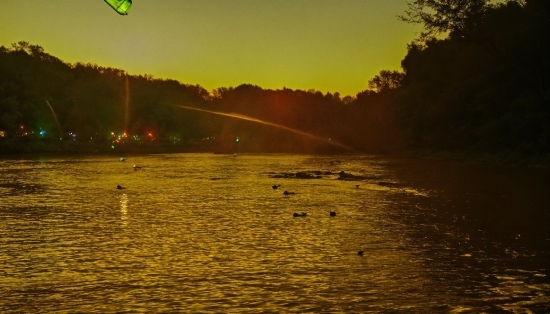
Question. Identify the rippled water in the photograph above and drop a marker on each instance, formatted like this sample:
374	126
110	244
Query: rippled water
207	233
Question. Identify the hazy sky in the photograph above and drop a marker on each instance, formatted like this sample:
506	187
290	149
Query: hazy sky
327	45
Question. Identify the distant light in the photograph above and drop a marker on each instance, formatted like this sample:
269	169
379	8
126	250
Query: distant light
237	139
112	146
42	132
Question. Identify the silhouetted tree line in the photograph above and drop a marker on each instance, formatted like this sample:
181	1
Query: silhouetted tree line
307	111
484	88
88	100
94	102
476	80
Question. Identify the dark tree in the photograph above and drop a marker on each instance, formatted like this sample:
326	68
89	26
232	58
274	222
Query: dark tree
386	80
459	17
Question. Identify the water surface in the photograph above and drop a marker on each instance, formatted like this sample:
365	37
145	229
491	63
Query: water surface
208	233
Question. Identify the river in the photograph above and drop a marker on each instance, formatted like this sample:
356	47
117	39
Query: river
207	233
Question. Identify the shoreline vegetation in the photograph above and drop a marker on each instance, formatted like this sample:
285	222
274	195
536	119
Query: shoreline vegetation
474	86
41	146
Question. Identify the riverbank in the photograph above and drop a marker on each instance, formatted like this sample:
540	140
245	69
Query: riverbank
40	146
18	147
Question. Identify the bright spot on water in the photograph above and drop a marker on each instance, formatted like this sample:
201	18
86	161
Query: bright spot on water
123	207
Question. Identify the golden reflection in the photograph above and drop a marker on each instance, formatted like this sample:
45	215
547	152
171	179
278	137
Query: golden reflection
124	207
213	245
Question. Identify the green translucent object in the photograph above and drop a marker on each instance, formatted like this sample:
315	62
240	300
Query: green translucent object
121	6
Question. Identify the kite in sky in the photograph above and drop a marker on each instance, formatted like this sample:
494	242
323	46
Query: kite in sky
121	6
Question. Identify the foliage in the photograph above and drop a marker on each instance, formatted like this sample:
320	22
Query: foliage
460	17
386	80
488	95
87	99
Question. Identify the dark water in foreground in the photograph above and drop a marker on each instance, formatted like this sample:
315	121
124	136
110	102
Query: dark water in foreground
206	233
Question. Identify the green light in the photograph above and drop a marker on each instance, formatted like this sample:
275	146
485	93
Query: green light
121	6
112	146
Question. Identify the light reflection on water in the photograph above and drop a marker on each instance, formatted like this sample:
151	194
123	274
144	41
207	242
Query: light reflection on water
123	207
207	233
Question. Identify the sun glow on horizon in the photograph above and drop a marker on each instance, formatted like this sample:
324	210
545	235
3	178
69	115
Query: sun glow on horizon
330	46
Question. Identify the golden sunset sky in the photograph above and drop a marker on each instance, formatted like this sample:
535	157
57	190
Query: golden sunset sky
327	45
